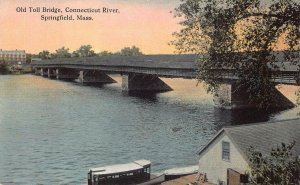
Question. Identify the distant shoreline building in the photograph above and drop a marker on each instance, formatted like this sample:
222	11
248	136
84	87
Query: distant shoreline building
13	56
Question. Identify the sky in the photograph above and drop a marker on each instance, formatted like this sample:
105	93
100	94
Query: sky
147	24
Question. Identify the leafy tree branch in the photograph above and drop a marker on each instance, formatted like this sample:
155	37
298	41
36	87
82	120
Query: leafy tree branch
240	36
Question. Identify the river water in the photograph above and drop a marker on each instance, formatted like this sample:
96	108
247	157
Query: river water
52	132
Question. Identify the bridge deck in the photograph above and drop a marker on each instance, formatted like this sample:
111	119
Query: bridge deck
146	61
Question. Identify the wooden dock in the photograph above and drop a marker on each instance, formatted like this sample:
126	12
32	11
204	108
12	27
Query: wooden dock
155	179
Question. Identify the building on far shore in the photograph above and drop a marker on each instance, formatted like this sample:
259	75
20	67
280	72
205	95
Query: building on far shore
224	159
13	56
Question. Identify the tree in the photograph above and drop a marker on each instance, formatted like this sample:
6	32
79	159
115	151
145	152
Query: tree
4	68
75	54
62	53
84	51
29	57
279	168
105	53
239	35
45	54
127	51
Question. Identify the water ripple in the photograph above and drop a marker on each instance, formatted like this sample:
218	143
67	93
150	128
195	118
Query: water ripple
52	132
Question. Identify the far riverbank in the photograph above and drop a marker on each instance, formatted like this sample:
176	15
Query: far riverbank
9	70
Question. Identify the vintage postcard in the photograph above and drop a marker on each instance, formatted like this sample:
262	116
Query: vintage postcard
171	92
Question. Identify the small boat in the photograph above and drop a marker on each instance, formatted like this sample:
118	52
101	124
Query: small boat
120	174
175	173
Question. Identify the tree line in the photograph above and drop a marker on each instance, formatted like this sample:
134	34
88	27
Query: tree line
87	51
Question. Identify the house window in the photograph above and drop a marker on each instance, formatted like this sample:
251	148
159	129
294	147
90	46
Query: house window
226	151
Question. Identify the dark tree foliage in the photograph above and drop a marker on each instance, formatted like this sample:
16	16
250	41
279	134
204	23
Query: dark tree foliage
44	54
61	53
281	167
240	36
105	53
127	51
4	68
84	51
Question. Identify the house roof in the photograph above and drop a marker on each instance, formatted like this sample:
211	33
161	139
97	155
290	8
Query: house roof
121	168
262	136
12	51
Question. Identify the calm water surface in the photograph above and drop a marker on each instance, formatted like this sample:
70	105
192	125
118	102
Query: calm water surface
52	132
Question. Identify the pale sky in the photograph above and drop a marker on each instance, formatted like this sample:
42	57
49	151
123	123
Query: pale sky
147	24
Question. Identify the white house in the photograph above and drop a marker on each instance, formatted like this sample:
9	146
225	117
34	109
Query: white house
229	147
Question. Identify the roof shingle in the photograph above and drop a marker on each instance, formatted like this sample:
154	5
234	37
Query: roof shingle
263	136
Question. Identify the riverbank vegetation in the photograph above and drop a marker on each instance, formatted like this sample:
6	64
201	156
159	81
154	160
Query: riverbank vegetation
243	36
14	69
4	68
281	167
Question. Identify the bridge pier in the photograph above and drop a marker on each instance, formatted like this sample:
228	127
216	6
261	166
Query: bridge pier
51	73
43	72
36	71
139	82
93	76
228	96
66	74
